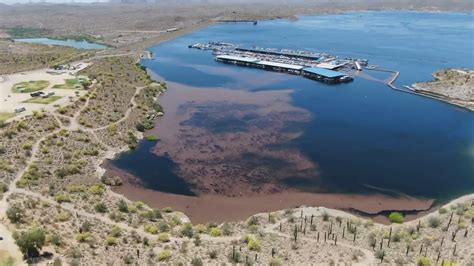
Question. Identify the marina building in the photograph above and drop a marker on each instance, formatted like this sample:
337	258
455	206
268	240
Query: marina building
315	73
326	75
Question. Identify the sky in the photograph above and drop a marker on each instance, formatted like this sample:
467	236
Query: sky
50	1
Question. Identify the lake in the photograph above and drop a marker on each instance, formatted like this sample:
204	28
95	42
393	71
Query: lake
70	43
231	131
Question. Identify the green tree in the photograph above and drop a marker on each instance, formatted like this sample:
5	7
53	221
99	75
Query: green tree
31	242
396	217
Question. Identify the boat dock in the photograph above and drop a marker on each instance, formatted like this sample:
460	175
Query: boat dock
254	22
318	66
314	73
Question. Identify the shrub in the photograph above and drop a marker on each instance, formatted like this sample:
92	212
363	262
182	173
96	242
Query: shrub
423	261
325	216
168	210
15	214
215	232
253	244
235	257
140	127
30	242
75	188
369	222
122	206
292	219
187	230
164	255
97	189
434	222
62	198
62	216
442	211
164	237
112	180
450	263
3	187
86	226
396	217
213	254
372	241
227	229
200	228
54	239
152	137
153	215
396	236
111	241
197	240
379	254
196	262
275	262
116	231
84	237
62	110
164	227
150	228
100	207
253	220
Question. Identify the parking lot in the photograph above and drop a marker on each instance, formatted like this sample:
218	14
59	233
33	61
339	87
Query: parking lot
9	101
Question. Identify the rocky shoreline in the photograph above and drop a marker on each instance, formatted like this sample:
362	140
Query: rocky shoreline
455	86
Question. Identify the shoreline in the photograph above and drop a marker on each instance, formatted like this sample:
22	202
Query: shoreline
219	208
232	209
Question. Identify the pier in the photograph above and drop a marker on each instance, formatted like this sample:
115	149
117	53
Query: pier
314	73
147	54
254	22
318	66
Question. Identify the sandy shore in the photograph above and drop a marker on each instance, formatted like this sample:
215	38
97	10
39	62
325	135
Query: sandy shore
217	208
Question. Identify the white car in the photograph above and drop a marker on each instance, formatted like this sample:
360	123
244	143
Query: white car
20	109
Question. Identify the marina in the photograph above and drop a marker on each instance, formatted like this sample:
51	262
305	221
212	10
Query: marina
318	66
322	67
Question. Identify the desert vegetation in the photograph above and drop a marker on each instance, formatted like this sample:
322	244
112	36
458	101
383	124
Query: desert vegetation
452	85
60	207
17	57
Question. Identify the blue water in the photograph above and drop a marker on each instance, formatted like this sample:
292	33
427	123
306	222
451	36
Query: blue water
70	43
362	133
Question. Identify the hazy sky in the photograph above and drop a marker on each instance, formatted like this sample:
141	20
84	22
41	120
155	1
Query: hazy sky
51	1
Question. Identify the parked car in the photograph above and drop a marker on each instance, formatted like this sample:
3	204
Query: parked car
48	94
20	109
36	94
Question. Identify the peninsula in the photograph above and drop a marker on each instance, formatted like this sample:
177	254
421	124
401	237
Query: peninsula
454	85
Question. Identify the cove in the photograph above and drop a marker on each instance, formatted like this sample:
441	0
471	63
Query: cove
360	138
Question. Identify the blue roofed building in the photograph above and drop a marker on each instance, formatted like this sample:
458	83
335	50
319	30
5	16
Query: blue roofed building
326	75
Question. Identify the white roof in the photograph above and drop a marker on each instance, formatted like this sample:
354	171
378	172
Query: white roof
328	65
237	58
275	64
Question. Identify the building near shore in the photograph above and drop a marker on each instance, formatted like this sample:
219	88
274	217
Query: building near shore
315	73
326	75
